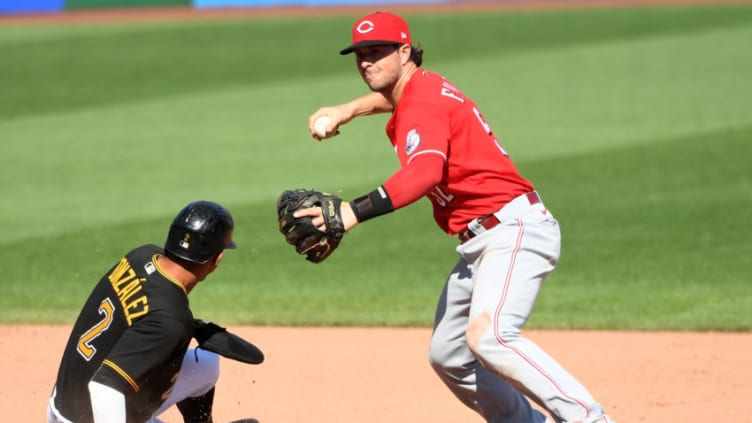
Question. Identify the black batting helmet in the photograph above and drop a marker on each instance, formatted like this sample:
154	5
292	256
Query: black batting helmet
200	231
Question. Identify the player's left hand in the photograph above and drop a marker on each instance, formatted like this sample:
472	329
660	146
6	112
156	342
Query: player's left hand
312	221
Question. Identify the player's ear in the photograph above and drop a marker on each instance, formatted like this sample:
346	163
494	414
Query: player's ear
215	261
218	258
405	50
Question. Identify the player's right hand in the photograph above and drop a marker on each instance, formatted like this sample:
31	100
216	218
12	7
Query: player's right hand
338	115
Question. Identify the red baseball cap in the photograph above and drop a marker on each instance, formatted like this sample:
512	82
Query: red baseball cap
378	28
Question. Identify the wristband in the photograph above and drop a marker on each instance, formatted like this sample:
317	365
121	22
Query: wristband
375	203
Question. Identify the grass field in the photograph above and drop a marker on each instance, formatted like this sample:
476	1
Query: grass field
634	124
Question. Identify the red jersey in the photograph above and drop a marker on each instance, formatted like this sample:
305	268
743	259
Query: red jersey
434	119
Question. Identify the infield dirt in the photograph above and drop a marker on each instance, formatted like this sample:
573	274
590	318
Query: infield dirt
382	375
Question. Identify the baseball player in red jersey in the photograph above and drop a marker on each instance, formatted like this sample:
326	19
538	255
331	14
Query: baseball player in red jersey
127	359
508	240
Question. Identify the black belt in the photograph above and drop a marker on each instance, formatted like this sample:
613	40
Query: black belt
490	221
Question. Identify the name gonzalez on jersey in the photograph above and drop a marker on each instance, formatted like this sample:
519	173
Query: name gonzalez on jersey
127	285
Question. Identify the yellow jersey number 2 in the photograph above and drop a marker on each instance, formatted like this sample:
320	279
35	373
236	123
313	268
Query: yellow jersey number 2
85	347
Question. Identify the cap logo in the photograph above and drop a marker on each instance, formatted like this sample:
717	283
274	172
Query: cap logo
365	27
403	35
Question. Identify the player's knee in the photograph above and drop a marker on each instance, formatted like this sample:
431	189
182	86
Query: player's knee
445	356
209	364
476	329
212	367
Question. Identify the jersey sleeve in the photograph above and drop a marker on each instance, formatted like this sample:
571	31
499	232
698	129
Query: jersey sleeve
423	128
142	349
421	139
413	181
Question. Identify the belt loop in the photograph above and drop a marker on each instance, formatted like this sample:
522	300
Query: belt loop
475	227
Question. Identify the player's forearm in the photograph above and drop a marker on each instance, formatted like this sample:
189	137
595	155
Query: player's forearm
341	114
405	187
107	404
369	104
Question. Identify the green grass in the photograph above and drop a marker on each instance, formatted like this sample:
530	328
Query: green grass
634	124
656	238
115	63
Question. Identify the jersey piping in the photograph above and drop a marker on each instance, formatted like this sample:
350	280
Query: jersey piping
436	152
154	259
122	373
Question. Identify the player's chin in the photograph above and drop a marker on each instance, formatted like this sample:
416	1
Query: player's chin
374	83
376	86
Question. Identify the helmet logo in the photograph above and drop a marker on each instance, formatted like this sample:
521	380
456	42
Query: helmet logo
365	27
185	243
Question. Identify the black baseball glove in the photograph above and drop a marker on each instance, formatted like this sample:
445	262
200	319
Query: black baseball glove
308	240
215	338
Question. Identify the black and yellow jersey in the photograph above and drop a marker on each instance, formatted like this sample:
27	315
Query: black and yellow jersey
131	335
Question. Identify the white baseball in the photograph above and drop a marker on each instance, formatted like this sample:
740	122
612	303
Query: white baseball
321	124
